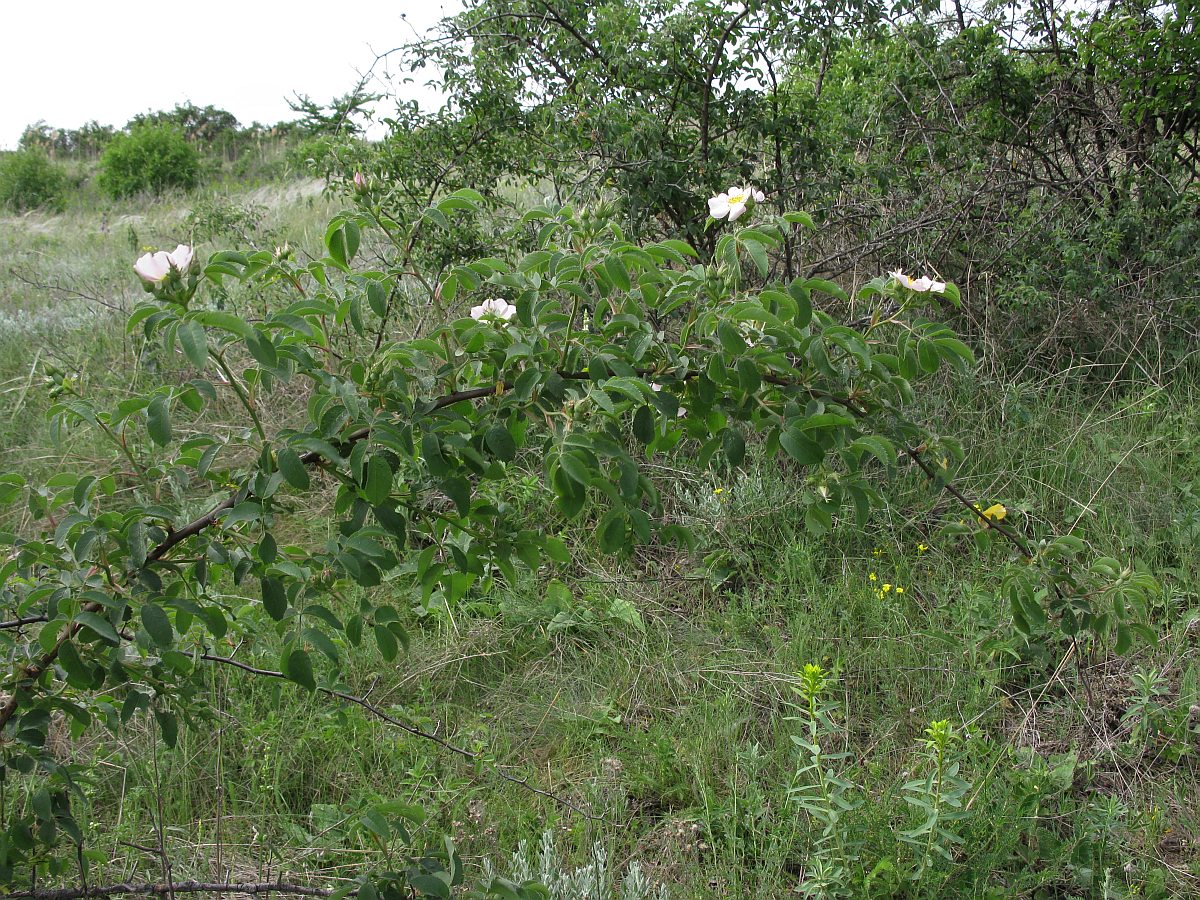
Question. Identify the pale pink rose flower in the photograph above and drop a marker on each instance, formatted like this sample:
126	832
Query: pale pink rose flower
494	309
922	285
152	268
181	258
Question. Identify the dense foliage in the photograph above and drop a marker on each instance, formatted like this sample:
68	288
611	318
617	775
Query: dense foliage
1044	161
29	180
151	159
603	340
488	392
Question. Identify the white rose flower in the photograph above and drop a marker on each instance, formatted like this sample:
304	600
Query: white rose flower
921	285
153	267
494	310
181	258
732	203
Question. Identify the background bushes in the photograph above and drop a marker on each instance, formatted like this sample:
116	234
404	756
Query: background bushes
28	180
1049	169
151	159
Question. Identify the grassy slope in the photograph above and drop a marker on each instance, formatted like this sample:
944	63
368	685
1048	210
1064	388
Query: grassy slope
674	725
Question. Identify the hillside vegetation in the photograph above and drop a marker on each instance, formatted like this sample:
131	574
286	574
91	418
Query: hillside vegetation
571	495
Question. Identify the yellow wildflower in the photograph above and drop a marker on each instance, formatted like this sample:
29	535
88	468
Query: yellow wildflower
994	513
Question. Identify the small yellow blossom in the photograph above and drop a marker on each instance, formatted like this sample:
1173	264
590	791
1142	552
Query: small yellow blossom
899	590
994	513
886	588
873	577
877	552
921	548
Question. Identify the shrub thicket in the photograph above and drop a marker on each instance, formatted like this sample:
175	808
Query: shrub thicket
639	482
28	179
149	158
996	157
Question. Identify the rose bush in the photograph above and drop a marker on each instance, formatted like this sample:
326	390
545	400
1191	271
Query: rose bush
125	582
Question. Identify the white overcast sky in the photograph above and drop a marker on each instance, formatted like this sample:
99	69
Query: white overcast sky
71	61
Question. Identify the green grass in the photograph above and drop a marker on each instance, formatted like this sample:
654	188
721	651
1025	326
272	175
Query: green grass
660	698
68	285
